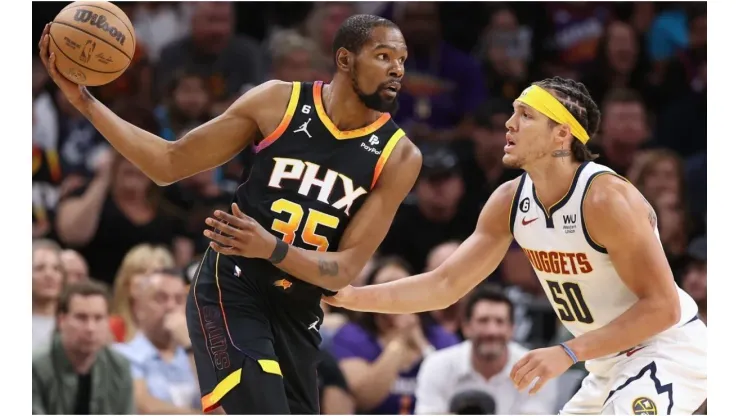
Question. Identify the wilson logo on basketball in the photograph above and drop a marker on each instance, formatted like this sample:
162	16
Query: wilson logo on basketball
101	22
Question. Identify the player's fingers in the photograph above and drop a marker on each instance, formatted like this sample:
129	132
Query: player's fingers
239	222
44	50
229	251
522	371
235	209
220	238
538	385
223	227
519	364
527	374
328	300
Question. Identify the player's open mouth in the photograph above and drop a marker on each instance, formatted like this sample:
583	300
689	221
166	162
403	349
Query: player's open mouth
509	143
392	88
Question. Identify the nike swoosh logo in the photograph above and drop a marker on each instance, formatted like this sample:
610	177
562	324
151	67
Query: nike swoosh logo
525	222
632	351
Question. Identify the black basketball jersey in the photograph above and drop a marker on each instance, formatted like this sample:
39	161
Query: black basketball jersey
308	178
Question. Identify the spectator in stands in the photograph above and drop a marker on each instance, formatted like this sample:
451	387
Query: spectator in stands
673	224
694	280
481	363
334	395
620	63
380	354
481	157
227	61
505	50
450	318
74	266
79	141
535	322
187	103
77	374
161	364
685	92
442	85
656	172
294	57
572	31
624	129
158	23
140	261
322	24
119	197
434	214
47	282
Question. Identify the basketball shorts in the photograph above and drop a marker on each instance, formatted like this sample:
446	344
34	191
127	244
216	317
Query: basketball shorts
667	375
249	358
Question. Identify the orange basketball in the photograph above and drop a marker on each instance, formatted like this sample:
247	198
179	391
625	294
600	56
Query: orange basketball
93	41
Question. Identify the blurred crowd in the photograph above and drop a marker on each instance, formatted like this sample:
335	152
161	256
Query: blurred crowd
113	254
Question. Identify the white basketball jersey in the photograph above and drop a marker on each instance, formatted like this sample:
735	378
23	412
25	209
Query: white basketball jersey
576	273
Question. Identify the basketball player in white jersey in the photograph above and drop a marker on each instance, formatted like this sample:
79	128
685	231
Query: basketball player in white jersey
593	241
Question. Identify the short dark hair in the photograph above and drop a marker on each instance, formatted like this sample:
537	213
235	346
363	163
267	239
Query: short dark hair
577	100
84	288
356	31
489	293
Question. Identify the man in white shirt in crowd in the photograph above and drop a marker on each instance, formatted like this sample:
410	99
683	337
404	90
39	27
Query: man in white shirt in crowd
481	363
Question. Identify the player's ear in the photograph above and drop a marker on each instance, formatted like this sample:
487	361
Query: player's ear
562	133
344	59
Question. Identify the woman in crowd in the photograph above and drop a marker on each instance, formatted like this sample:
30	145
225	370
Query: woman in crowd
46	285
380	355
139	261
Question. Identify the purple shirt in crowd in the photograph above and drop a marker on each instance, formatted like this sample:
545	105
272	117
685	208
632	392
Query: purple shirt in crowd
440	90
353	341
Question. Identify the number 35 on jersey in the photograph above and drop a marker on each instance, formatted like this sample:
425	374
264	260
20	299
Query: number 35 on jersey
291	171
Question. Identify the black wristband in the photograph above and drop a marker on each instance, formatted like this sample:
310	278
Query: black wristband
281	250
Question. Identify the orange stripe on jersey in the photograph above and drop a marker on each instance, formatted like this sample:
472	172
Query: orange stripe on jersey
289	111
339	134
386	154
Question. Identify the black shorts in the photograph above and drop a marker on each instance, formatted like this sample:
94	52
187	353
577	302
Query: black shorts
255	351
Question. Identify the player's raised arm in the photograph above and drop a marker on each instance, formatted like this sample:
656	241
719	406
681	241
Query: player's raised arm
476	258
208	146
619	219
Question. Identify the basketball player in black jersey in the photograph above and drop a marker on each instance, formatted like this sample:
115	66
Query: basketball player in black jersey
330	170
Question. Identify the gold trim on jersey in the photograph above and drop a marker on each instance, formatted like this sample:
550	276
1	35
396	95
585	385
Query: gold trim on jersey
339	134
287	117
386	154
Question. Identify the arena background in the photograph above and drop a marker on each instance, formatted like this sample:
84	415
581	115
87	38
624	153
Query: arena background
644	64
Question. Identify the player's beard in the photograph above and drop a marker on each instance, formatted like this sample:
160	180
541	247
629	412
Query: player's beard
375	100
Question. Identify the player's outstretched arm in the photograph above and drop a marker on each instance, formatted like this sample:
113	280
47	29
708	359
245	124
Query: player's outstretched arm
477	257
206	147
618	218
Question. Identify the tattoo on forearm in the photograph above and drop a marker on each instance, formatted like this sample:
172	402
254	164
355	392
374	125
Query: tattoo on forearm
328	268
561	153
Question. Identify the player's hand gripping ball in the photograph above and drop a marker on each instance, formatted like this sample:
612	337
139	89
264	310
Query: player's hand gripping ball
240	235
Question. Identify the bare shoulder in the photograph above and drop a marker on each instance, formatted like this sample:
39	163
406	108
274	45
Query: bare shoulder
613	207
271	95
496	213
609	192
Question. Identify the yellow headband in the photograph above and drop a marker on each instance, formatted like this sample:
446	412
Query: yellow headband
542	101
